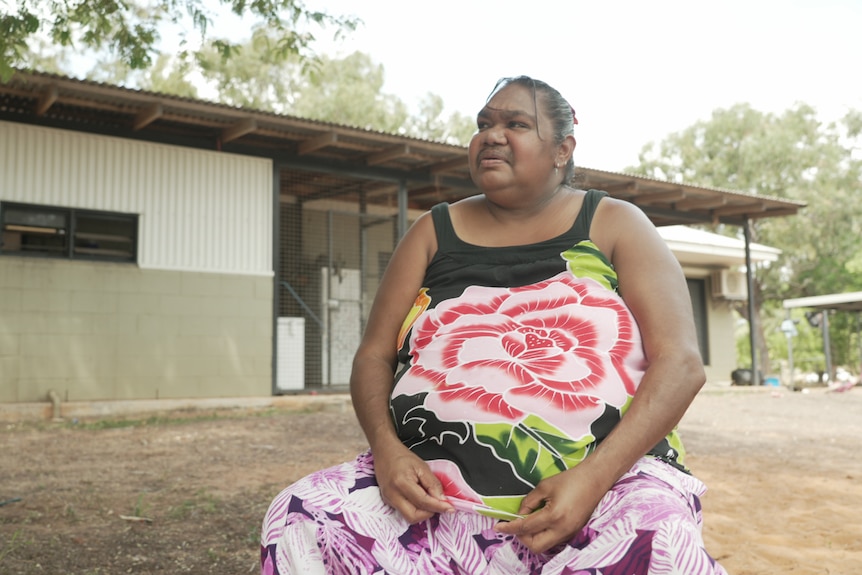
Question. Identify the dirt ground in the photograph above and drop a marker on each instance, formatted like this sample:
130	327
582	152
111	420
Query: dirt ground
185	492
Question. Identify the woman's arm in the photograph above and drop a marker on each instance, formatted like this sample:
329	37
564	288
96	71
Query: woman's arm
653	286
406	482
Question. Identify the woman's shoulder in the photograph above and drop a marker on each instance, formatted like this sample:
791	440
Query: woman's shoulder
468	216
616	219
420	238
470	204
615	212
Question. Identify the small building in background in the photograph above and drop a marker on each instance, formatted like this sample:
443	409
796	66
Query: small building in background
158	247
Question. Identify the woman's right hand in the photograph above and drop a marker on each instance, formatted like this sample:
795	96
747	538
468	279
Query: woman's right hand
408	484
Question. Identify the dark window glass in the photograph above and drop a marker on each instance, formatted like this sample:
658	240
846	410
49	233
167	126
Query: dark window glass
48	231
697	291
105	236
35	231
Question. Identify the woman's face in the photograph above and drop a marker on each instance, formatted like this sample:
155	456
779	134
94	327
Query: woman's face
513	149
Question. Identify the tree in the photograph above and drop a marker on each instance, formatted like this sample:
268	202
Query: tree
130	29
791	156
431	124
345	91
255	77
272	70
349	91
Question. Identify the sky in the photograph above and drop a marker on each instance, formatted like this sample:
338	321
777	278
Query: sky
635	71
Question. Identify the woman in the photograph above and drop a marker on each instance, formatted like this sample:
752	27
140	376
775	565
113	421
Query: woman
497	438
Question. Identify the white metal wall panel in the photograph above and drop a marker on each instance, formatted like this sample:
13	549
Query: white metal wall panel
199	210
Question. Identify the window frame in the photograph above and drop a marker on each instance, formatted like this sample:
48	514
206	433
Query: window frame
74	217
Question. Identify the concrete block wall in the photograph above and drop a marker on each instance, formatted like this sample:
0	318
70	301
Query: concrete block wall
95	331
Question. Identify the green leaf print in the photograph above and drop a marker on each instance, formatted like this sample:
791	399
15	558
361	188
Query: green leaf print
586	260
535	448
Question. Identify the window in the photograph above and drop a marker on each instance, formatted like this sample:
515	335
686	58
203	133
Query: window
47	231
697	291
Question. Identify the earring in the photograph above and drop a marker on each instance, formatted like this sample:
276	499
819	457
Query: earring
556	168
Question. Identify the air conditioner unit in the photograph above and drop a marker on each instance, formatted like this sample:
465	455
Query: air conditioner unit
729	284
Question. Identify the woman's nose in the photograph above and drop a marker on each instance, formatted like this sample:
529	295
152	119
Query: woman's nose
495	134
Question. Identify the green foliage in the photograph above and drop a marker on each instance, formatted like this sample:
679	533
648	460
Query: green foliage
255	76
12	544
431	124
350	91
139	509
272	70
791	156
347	91
182	417
129	30
204	503
14	30
167	78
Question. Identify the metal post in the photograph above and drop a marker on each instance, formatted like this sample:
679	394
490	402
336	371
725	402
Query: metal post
859	339
402	209
363	257
749	274
330	264
824	325
788	326
790	333
276	268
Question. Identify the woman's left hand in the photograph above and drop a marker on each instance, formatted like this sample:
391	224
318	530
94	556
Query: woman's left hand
556	510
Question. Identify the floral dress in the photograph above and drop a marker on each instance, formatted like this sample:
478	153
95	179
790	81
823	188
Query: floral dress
515	363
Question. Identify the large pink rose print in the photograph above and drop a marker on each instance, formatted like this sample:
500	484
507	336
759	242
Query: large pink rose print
561	349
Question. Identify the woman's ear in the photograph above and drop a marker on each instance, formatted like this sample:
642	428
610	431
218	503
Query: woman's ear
565	151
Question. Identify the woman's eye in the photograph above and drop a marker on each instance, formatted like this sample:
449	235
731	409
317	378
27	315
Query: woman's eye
514	124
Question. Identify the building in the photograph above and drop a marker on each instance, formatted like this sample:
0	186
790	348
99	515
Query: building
162	247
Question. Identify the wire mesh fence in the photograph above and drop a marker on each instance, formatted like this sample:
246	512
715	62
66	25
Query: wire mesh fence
332	251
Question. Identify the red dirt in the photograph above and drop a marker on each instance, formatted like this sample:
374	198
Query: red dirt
784	476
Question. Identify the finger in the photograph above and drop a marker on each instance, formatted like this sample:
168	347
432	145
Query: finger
415	494
430	484
423	500
529	526
414	515
543	540
434	491
409	511
533	501
513	527
535	533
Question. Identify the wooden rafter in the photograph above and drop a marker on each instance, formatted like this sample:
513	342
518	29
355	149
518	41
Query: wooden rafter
147	116
449	165
701	203
316	143
747	209
238	130
667	197
391	153
46	99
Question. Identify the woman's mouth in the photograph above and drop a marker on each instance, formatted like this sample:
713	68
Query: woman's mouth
491	158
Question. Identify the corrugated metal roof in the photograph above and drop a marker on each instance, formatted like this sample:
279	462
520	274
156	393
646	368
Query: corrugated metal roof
700	248
375	161
850	301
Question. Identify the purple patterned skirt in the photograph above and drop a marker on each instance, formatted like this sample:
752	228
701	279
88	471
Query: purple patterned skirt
334	522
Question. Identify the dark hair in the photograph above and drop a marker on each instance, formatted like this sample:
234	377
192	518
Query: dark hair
558	110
